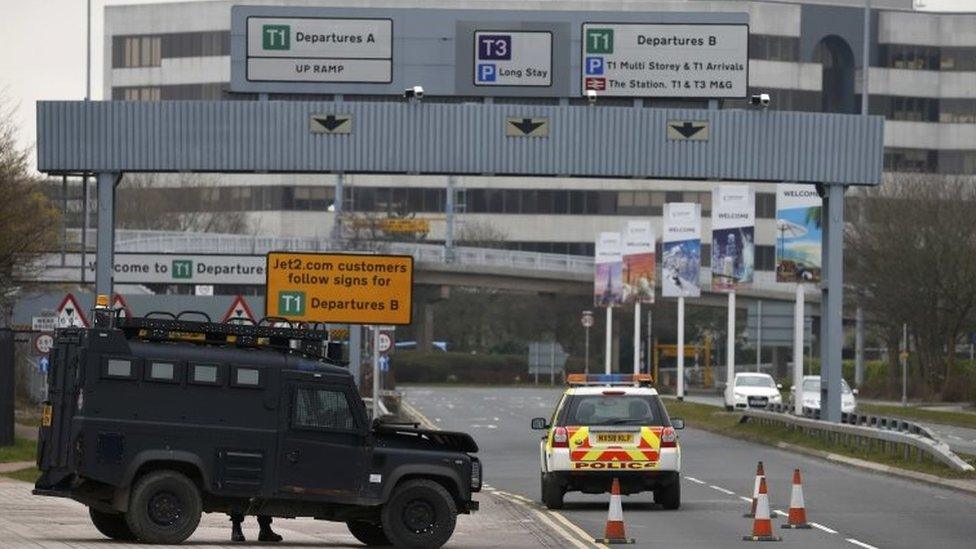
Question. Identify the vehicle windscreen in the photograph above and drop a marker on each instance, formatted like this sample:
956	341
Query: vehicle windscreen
754	381
813	386
585	410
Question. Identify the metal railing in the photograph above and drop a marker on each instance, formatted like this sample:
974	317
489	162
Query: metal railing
856	435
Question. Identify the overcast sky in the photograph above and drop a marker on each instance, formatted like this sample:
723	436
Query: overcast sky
43	51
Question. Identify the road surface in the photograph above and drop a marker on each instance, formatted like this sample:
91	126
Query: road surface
852	507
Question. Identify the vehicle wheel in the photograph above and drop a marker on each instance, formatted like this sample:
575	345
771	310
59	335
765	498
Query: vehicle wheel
368	533
164	508
111	525
552	493
669	496
419	514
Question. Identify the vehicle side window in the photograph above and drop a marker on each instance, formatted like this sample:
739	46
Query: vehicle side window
119	368
205	374
163	370
322	409
242	376
559	408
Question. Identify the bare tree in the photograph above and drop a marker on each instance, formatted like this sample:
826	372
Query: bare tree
194	204
28	221
913	255
480	234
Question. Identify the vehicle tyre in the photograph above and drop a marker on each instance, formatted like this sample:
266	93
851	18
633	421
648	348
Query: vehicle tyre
111	525
552	492
164	507
368	533
420	514
669	496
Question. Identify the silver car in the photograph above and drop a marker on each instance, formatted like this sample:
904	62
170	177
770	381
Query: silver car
810	395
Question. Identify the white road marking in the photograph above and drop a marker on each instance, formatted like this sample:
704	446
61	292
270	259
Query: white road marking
861	544
569	531
778	512
723	490
822	527
695	480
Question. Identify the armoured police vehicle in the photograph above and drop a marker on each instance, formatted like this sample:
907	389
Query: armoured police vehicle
152	421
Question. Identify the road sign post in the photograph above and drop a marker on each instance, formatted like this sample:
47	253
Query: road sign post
587	321
798	327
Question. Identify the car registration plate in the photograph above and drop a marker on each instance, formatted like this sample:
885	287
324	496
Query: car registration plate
46	416
613	437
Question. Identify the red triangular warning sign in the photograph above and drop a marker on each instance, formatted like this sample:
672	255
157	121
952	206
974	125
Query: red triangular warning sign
70	313
239	311
119	304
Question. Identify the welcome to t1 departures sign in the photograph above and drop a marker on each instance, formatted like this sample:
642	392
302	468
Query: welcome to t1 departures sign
523	53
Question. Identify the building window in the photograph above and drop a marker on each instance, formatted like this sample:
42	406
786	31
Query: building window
910	160
765	258
957	59
322	409
136	51
769	47
957	111
174	92
930	58
765	205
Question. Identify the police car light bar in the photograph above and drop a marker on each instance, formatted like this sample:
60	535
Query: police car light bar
609	379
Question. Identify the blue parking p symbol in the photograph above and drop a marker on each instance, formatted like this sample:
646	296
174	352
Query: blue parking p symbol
594	66
486	72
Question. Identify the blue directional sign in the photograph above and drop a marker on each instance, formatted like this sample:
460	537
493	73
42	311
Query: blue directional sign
385	363
43	365
594	66
515	58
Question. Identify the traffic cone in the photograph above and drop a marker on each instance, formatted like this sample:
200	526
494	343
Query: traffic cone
798	511
615	519
760	474
762	526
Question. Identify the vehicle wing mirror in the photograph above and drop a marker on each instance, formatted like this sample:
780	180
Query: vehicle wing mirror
855	391
792	387
780	386
539	423
677	423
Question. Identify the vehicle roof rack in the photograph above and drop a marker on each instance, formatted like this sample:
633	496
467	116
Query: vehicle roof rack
309	341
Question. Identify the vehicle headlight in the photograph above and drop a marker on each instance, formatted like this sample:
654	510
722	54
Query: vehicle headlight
776	397
475	475
739	395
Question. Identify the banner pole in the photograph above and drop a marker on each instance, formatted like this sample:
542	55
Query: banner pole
637	336
681	349
609	340
730	342
798	314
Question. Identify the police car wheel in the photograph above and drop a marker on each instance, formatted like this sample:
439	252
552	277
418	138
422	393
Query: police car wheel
552	492
111	525
164	507
419	514
669	496
368	533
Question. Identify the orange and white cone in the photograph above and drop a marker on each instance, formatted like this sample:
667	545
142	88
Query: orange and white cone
798	510
760	474
762	525
615	519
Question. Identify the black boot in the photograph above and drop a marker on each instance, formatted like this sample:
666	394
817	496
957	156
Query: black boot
267	534
236	534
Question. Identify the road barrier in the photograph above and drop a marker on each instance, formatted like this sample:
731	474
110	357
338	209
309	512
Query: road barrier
868	420
855	433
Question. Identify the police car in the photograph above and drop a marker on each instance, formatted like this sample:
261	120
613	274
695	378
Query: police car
610	426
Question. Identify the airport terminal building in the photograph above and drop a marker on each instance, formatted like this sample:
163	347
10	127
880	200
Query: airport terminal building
806	54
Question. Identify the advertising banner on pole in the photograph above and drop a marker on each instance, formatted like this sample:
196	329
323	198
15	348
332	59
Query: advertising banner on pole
608	278
798	233
733	237
681	250
638	262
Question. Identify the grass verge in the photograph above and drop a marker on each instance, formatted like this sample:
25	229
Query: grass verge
959	419
717	420
22	450
24	475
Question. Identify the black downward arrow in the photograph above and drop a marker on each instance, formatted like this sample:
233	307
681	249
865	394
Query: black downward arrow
687	129
527	126
331	123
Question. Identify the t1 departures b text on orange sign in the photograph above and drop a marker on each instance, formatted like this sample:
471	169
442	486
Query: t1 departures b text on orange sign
340	288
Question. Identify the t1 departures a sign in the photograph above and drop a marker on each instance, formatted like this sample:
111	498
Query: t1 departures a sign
643	60
319	50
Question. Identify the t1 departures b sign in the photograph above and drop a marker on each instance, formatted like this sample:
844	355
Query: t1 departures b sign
287	49
340	288
508	58
665	60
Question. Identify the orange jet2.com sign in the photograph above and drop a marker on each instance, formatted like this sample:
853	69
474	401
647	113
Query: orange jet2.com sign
340	288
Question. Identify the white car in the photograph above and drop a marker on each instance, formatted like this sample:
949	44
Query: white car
810	395
608	427
752	390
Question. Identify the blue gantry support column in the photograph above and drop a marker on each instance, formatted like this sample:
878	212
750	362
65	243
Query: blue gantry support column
832	303
104	256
